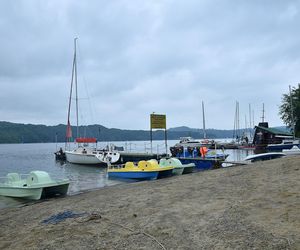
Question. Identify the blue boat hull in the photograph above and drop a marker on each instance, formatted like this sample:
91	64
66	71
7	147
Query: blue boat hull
280	147
201	164
134	175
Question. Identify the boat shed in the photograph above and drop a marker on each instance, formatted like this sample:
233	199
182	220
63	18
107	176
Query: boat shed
263	135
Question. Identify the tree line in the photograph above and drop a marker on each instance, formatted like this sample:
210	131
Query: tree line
29	133
289	109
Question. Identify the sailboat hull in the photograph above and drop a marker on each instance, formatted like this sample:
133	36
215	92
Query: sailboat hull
90	156
82	158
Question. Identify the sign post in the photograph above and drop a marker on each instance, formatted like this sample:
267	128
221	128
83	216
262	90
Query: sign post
157	122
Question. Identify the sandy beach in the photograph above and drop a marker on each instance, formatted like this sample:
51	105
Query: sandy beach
246	207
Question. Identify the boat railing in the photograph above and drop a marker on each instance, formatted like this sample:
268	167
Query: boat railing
163	149
130	147
142	148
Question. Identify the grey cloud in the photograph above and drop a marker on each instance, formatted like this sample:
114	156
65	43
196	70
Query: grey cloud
138	57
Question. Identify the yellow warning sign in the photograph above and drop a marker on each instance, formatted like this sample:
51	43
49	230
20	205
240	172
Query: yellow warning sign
158	121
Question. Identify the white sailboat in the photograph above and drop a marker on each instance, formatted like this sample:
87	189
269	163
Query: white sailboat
84	154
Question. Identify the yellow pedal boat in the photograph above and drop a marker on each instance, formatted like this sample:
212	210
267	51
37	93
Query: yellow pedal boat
144	170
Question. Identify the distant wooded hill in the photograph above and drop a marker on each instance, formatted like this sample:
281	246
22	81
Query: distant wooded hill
28	133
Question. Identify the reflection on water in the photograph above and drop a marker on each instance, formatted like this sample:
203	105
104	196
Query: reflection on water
84	177
237	154
23	158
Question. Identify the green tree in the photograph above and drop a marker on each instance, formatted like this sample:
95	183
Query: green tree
289	110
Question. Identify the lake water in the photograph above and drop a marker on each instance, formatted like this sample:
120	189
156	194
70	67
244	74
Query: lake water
23	158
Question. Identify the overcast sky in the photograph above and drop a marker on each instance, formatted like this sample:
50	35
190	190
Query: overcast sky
138	57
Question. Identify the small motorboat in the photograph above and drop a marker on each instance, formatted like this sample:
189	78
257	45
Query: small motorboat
264	156
35	186
60	155
179	168
195	152
202	157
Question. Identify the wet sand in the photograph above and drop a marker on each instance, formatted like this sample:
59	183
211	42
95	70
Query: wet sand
247	207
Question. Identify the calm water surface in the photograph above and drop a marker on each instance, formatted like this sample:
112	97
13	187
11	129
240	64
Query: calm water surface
23	158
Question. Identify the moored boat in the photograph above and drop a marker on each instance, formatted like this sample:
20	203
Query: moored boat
60	155
264	156
35	186
179	168
195	152
202	157
191	142
84	154
188	168
202	164
164	171
142	171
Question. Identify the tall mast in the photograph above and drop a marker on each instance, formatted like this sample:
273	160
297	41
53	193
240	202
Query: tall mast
234	125
263	113
236	129
75	72
250	122
245	125
238	120
69	129
203	117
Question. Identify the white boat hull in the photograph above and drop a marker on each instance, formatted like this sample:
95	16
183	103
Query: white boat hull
264	156
90	156
25	193
82	158
34	193
178	171
37	185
